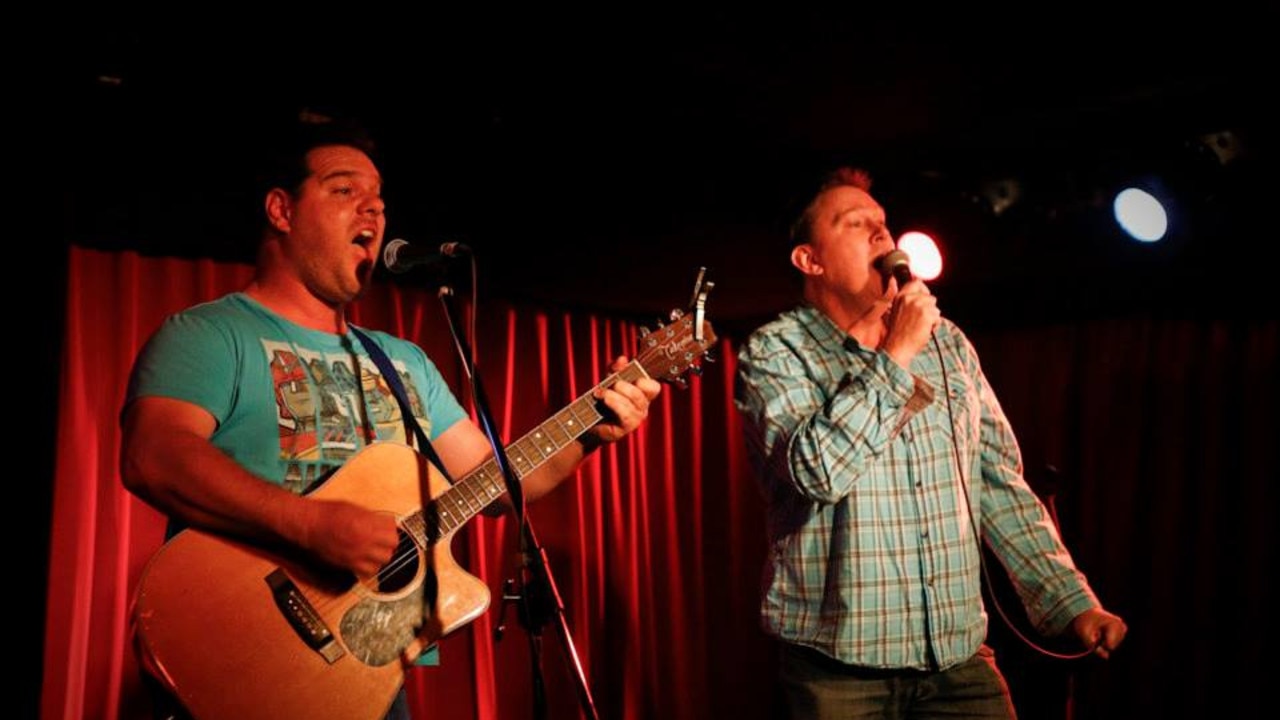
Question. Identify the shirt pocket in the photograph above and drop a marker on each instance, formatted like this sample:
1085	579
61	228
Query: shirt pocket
959	410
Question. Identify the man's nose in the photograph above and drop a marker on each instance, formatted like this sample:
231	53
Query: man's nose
374	204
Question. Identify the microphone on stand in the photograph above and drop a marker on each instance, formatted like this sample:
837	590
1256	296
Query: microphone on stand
400	256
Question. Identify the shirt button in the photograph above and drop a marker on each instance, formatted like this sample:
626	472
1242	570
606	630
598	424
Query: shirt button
924	533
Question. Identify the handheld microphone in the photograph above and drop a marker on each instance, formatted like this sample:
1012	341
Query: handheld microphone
897	265
400	256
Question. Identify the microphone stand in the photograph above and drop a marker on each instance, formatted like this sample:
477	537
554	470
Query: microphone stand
538	597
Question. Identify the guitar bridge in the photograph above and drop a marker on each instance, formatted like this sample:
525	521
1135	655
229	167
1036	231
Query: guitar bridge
302	617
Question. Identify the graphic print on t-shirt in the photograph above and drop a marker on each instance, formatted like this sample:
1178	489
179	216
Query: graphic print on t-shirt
328	406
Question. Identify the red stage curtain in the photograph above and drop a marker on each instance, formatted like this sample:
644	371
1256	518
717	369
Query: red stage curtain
1164	430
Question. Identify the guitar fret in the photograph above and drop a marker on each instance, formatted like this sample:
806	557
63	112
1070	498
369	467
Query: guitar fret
556	433
585	413
557	422
447	522
571	425
519	460
549	439
534	450
460	501
631	373
493	484
414	526
474	502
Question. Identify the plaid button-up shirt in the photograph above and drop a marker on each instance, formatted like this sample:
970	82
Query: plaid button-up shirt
873	498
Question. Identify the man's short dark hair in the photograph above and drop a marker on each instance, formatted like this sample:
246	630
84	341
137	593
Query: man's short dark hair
286	163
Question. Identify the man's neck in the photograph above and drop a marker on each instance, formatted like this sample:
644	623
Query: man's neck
864	324
298	305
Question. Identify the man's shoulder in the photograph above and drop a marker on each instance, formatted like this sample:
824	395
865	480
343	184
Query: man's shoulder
786	327
228	308
788	320
951	333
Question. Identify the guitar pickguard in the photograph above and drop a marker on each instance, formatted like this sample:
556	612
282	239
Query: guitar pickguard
376	630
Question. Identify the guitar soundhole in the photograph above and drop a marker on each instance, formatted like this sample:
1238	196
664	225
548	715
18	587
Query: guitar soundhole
397	574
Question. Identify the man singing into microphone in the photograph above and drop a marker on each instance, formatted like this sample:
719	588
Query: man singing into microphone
885	461
237	406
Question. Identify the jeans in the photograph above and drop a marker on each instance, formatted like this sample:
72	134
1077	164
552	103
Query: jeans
817	687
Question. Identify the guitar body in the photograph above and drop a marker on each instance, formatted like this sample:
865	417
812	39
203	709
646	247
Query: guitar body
235	631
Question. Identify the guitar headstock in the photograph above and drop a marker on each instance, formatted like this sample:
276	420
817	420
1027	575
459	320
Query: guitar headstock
671	350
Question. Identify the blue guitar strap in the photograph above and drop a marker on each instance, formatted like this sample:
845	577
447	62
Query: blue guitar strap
411	427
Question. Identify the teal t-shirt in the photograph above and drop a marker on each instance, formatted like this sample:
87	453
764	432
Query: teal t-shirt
291	403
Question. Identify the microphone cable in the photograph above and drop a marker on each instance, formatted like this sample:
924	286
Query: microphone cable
973	525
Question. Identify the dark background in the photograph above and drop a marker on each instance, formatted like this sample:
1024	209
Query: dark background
595	159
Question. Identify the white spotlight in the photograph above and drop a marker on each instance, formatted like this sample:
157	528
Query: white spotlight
1141	215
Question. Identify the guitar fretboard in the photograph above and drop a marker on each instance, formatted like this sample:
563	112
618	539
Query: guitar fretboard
480	487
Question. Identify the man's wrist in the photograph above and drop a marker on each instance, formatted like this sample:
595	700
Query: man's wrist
590	442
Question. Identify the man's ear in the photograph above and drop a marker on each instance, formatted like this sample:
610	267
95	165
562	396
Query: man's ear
803	258
279	207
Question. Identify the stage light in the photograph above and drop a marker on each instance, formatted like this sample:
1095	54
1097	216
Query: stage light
1001	194
1140	214
1224	145
926	260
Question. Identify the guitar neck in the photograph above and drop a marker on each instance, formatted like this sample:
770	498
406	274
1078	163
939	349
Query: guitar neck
480	487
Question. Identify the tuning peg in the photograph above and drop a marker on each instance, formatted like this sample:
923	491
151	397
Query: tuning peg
676	314
696	370
709	356
680	381
644	331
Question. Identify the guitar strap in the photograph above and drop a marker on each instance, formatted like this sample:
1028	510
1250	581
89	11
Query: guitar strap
430	656
411	427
